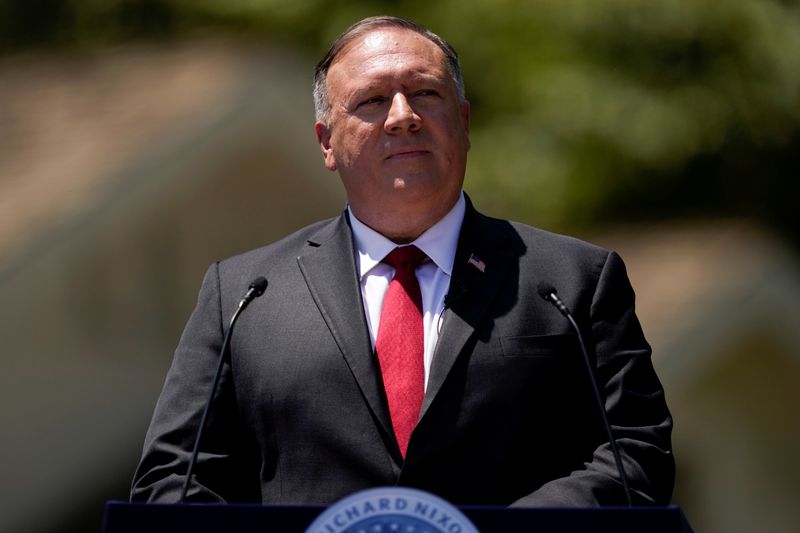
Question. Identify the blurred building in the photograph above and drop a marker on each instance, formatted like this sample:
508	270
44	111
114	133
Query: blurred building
125	172
720	303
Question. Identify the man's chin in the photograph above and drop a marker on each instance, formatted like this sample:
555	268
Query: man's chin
422	184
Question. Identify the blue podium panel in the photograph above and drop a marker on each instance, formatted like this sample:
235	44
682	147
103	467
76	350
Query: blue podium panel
571	519
123	517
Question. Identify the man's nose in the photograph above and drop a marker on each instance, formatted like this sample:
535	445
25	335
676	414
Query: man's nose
402	116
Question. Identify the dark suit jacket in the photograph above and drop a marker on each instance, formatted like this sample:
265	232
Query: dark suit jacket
508	416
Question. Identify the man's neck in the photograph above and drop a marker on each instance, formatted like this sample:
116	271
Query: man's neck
403	229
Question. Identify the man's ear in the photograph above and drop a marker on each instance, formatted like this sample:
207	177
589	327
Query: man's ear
324	139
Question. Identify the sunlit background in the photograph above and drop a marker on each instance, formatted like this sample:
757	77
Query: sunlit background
141	140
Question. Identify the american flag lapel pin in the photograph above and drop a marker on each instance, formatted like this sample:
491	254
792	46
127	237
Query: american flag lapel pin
475	261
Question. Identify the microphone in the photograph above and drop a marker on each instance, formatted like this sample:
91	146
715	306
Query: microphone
549	294
256	289
455	293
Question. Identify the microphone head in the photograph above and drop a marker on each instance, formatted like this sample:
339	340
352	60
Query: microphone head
259	285
545	290
456	292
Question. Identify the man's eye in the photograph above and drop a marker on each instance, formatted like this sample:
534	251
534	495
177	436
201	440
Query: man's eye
426	92
372	100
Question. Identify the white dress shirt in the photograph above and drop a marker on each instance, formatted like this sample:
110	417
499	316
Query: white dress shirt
439	243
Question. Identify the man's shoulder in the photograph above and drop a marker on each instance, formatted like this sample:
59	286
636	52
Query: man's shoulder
544	239
540	242
287	248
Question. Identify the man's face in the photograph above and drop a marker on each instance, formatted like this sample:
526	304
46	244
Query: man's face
396	131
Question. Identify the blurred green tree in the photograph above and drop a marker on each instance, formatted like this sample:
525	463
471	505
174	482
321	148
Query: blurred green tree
583	112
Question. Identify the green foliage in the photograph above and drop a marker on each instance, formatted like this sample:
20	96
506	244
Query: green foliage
583	111
588	111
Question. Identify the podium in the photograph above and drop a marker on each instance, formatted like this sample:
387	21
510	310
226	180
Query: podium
124	517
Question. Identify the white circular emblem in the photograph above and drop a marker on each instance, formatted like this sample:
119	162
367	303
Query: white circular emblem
392	510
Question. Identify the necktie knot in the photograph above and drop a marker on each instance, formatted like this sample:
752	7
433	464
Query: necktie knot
405	257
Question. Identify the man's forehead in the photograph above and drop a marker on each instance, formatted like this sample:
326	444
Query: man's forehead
388	37
386	41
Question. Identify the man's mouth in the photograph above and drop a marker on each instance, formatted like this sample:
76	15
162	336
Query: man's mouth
408	154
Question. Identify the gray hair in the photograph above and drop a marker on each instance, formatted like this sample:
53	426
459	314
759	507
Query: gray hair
322	105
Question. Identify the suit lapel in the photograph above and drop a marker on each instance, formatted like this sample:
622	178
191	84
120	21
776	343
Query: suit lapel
328	267
473	288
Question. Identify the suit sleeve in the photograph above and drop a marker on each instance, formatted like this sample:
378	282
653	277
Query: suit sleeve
221	473
634	401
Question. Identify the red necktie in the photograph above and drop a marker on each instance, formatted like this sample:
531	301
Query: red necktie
400	343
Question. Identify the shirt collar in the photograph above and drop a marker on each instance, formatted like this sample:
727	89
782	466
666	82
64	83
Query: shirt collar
439	242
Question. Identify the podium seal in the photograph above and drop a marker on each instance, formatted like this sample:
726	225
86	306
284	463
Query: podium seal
392	510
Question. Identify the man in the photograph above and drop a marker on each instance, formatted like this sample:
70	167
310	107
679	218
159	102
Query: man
443	370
